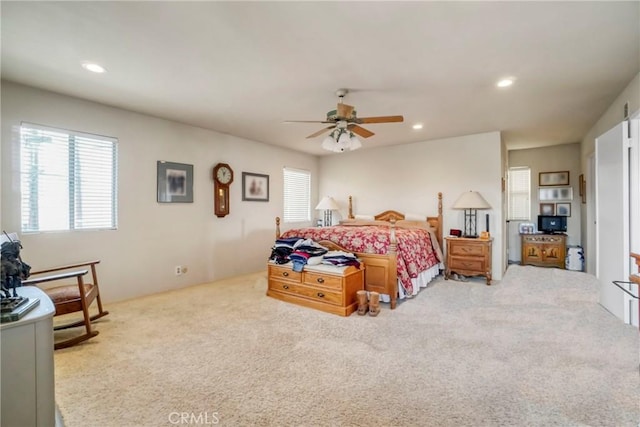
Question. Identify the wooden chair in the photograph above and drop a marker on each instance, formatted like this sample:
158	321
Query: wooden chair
71	298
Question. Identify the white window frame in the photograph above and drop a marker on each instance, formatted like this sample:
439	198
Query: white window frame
69	184
297	195
519	194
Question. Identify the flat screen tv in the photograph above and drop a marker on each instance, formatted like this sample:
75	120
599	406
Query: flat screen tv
552	224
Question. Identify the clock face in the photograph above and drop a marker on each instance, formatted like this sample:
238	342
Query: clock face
224	175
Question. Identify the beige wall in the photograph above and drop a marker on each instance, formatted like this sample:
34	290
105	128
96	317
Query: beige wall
152	238
564	157
407	178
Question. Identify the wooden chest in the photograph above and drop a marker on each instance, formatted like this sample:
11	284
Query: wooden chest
323	287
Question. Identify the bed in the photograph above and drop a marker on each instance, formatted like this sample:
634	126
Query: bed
402	253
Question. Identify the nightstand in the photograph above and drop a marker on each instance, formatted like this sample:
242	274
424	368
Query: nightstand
469	257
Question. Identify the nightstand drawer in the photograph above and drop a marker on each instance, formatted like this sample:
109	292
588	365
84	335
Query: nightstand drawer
324	280
467	264
468	250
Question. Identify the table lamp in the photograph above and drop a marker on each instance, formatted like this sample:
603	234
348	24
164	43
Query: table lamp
470	202
328	205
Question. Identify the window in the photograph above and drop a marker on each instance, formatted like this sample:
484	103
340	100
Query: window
68	180
519	194
297	195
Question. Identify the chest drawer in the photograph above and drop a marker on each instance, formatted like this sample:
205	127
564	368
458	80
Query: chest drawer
324	280
314	293
284	273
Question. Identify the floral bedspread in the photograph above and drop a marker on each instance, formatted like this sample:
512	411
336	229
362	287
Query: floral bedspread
415	252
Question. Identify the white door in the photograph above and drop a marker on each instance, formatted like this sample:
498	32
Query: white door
634	201
612	218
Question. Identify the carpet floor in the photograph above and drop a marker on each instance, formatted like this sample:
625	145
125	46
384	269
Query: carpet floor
534	349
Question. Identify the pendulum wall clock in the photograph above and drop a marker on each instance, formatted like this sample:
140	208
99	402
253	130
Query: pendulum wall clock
222	178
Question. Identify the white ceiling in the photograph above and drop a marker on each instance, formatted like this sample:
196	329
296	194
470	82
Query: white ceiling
243	68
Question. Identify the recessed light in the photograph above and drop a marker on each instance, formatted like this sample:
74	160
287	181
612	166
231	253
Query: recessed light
93	67
505	82
417	126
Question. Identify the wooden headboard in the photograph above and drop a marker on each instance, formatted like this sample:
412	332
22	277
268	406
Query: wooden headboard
394	216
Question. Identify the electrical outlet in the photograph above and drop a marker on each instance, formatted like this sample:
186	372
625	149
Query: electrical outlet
184	269
178	270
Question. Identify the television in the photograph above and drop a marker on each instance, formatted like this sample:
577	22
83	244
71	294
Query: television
552	224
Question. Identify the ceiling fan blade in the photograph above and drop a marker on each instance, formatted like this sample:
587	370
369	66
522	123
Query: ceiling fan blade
307	121
358	130
321	131
380	119
345	111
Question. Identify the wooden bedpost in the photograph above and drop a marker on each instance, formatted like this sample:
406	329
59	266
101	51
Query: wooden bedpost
392	253
350	216
277	227
441	225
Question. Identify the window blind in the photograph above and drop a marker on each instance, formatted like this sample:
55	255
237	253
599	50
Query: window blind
68	180
519	194
297	195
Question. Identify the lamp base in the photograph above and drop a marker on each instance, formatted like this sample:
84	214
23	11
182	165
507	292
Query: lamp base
466	236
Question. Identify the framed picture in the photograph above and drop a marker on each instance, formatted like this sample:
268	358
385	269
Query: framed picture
553	178
563	209
555	194
255	187
580	179
583	189
175	182
547	209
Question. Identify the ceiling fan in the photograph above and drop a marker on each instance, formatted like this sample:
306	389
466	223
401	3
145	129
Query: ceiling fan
344	118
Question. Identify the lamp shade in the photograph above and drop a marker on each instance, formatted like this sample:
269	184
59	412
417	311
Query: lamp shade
328	204
471	200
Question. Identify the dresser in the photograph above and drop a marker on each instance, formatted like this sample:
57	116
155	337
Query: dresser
323	287
544	250
469	257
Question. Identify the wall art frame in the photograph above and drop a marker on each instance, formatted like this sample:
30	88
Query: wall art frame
556	194
174	182
563	209
547	209
255	187
547	179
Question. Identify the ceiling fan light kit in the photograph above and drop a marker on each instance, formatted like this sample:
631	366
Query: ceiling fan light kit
341	140
345	126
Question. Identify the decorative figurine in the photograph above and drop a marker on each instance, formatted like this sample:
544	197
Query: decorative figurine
13	271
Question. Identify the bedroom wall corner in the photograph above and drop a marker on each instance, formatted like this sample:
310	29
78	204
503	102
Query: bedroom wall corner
408	178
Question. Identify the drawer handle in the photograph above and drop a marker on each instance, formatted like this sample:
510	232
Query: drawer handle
285	274
320	280
285	286
320	294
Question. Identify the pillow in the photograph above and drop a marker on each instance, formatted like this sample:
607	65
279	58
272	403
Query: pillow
415	217
365	217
